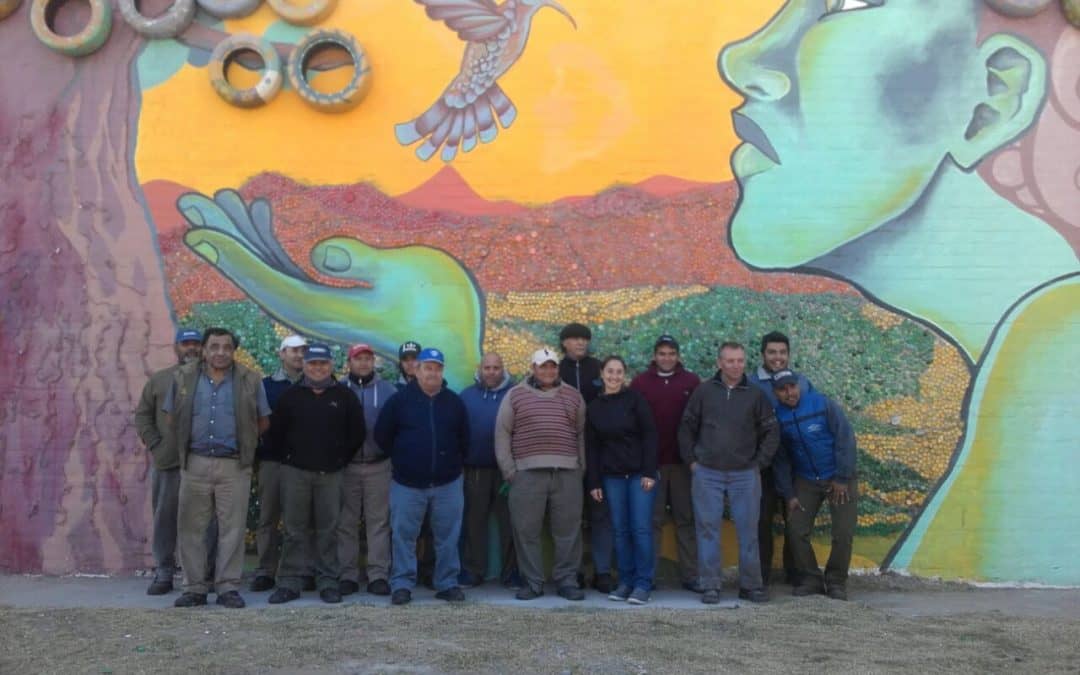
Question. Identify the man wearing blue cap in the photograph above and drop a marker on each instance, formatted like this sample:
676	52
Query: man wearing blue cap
425	430
816	462
150	423
317	428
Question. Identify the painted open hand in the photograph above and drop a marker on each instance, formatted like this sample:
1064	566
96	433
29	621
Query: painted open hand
409	293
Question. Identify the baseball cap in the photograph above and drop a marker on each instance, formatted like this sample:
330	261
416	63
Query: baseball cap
316	351
782	377
575	330
543	355
431	355
188	335
292	341
666	340
409	348
360	349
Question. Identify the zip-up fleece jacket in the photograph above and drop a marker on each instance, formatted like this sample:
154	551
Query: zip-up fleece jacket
540	429
274	385
373	397
667	397
483	407
620	436
316	432
151	421
728	428
817	443
426	436
763	379
583	375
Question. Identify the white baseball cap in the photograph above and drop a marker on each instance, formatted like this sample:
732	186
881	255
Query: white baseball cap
543	355
292	341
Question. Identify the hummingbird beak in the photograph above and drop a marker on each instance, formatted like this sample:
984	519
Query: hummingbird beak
561	10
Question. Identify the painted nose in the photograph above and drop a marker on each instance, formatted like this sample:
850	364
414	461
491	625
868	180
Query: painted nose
740	65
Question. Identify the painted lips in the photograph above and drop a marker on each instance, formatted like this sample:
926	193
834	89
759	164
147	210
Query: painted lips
757	153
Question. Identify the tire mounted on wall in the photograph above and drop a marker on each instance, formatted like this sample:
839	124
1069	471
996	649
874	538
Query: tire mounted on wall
7	7
308	15
264	90
170	24
346	98
86	41
229	9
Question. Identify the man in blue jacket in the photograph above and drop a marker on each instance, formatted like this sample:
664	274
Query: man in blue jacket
816	462
425	430
483	479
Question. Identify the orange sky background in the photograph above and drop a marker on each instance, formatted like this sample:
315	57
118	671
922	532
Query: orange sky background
632	93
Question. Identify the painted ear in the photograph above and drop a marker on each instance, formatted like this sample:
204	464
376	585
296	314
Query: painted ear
1015	88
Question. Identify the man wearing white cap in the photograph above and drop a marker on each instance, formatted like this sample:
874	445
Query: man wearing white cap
540	447
268	488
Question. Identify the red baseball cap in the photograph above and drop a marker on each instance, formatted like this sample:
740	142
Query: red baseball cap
360	348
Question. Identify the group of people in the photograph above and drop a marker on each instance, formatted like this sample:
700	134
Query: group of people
424	469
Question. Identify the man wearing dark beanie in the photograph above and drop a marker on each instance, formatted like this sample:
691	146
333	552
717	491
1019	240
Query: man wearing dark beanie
582	372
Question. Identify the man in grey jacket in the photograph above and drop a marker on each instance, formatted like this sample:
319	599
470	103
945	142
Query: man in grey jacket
728	434
366	489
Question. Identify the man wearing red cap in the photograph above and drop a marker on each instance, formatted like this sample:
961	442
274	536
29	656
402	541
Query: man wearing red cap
366	489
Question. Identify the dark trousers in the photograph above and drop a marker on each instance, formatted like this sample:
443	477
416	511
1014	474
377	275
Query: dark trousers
481	499
800	525
309	497
601	537
771	504
673	489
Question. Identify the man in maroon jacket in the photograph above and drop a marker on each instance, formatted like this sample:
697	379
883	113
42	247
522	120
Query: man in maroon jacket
667	386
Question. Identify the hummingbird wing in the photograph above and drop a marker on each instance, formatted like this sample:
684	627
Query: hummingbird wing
472	20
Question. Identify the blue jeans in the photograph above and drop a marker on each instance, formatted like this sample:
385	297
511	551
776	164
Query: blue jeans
408	506
743	490
631	519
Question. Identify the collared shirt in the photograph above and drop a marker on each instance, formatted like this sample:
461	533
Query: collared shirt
213	420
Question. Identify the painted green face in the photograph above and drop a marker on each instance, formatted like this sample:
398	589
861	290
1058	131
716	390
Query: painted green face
851	107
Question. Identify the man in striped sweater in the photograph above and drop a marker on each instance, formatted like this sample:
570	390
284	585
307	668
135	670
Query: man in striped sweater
540	448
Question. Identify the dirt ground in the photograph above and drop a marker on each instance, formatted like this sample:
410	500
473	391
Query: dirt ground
788	634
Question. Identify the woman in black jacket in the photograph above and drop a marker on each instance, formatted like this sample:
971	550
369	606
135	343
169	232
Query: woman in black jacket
620	443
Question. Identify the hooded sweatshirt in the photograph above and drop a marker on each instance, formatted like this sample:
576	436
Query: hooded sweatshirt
667	395
728	428
373	395
482	405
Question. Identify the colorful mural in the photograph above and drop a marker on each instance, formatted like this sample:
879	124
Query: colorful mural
894	184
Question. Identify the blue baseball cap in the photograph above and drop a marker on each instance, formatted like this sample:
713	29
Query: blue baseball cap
433	355
188	335
316	351
783	377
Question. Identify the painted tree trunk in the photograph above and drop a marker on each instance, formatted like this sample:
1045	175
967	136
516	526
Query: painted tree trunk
83	304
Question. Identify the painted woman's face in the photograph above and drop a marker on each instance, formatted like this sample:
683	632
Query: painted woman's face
851	107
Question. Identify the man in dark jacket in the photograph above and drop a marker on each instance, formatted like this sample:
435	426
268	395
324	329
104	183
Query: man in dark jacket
816	462
425	429
150	423
366	490
483	480
582	372
775	357
667	387
317	427
728	435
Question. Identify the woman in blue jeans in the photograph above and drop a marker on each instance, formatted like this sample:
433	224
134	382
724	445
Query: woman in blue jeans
620	444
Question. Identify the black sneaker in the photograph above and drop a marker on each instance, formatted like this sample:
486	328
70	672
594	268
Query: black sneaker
837	592
379	587
756	595
231	599
308	583
160	587
401	596
452	594
602	583
571	593
527	592
348	587
190	600
804	590
330	595
260	584
283	595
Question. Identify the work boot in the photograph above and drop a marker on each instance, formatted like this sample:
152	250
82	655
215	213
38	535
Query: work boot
757	595
572	593
452	594
401	596
231	599
283	595
160	587
348	587
379	587
330	595
804	590
837	592
190	600
527	592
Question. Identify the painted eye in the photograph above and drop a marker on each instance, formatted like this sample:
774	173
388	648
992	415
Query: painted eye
835	6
